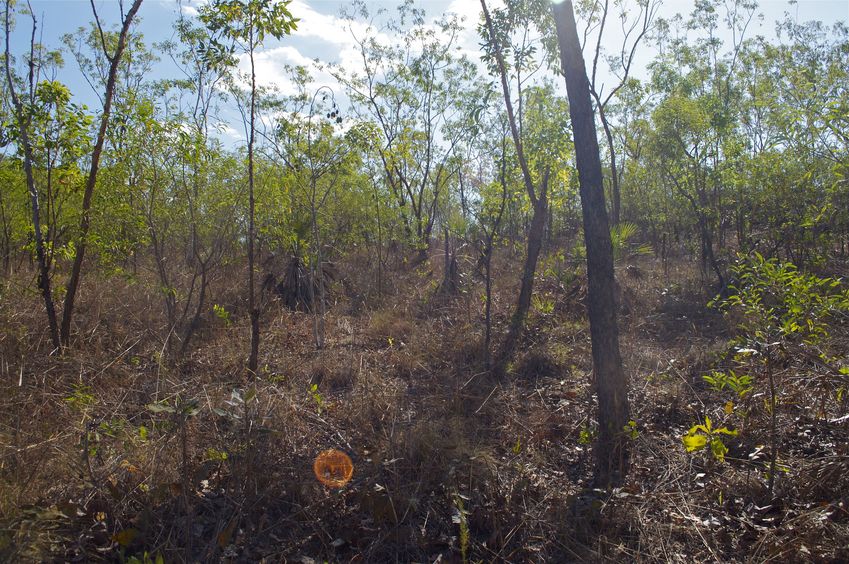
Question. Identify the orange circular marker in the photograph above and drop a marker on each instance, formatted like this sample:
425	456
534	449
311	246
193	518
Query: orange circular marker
333	468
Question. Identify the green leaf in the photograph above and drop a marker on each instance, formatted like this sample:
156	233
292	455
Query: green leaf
694	442
718	449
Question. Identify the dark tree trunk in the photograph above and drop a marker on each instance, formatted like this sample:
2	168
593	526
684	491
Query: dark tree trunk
538	196
610	379
85	222
523	304
23	124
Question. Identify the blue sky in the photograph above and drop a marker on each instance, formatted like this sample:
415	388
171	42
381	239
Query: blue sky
320	34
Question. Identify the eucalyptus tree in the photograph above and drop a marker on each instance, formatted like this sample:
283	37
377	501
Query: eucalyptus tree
410	88
195	211
550	151
243	25
695	120
13	221
59	137
57	131
807	102
23	120
611	382
182	201
488	195
113	54
113	229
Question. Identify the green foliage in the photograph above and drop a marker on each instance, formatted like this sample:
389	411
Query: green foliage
706	435
542	304
317	398
246	22
779	304
621	237
718	380
214	455
81	398
630	430
146	559
222	314
587	435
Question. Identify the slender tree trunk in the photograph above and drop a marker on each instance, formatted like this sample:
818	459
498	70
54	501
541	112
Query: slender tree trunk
379	245
253	359
615	194
43	266
487	340
539	199
523	304
193	324
318	308
85	222
610	380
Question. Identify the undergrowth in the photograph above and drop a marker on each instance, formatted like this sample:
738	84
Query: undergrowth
116	452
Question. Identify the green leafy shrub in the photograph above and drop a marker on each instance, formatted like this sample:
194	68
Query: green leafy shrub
706	435
777	303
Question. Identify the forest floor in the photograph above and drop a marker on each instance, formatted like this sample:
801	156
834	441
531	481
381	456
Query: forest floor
110	452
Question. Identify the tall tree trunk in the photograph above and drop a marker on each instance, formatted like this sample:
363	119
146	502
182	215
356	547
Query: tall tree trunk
23	124
85	221
610	380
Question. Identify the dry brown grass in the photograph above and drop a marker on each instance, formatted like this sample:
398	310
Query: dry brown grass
92	470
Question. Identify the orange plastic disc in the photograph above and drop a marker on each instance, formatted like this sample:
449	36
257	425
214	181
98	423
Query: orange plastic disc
333	468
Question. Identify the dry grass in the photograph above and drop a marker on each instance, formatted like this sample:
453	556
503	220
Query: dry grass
113	450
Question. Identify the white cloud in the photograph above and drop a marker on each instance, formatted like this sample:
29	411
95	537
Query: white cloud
190	7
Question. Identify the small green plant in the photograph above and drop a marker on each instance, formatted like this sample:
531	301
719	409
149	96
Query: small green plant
517	448
215	455
222	314
780	304
782	315
630	430
586	435
81	398
621	236
706	435
543	305
317	397
740	385
146	559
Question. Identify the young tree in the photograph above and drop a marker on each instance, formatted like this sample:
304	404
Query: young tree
23	119
314	155
611	381
635	26
85	222
536	181
245	24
